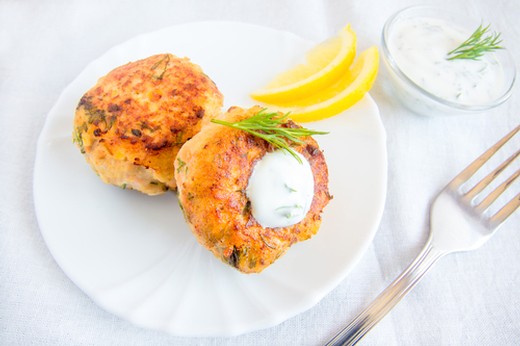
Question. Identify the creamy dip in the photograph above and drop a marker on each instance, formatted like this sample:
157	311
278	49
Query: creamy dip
420	46
280	189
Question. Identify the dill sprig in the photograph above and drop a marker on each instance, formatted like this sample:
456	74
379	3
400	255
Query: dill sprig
476	45
269	127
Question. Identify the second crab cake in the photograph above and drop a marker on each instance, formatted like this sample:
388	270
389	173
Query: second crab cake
246	201
132	123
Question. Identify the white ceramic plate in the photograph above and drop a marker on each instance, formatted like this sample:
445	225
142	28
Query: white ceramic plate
135	256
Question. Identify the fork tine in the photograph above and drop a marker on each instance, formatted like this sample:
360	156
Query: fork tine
475	190
486	202
506	211
479	162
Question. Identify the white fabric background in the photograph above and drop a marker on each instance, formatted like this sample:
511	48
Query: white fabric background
467	299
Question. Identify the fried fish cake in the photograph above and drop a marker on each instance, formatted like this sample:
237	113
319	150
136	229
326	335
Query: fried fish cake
212	171
132	123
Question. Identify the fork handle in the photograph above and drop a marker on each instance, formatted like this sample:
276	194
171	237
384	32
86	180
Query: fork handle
389	298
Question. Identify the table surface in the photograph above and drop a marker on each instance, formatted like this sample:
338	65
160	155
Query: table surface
467	298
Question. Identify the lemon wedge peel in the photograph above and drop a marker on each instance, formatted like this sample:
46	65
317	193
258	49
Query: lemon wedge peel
326	63
338	97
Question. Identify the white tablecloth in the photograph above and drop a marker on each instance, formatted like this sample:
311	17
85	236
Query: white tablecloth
467	299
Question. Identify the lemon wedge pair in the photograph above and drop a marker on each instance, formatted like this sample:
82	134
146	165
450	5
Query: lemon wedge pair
332	80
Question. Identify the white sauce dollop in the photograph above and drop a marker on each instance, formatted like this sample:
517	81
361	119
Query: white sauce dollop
280	189
420	46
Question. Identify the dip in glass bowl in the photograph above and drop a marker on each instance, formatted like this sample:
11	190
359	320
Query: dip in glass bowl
415	45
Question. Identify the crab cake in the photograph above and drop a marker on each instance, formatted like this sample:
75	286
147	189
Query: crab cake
213	171
132	123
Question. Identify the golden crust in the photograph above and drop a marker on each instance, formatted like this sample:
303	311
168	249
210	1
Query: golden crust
212	172
132	123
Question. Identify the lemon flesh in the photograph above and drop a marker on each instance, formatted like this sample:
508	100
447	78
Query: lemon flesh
325	64
339	96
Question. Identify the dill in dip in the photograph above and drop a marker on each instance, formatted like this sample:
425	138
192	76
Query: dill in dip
420	48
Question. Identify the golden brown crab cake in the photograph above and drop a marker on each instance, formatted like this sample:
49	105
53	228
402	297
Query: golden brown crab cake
132	123
212	172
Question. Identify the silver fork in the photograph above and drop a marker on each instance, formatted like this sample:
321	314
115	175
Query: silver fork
458	223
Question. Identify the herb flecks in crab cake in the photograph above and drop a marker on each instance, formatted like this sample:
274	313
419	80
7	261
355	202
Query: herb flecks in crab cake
213	173
132	123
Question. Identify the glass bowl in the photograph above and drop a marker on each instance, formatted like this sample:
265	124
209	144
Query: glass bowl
422	99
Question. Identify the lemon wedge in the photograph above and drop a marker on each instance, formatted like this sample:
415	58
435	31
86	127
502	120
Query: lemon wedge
325	64
339	96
